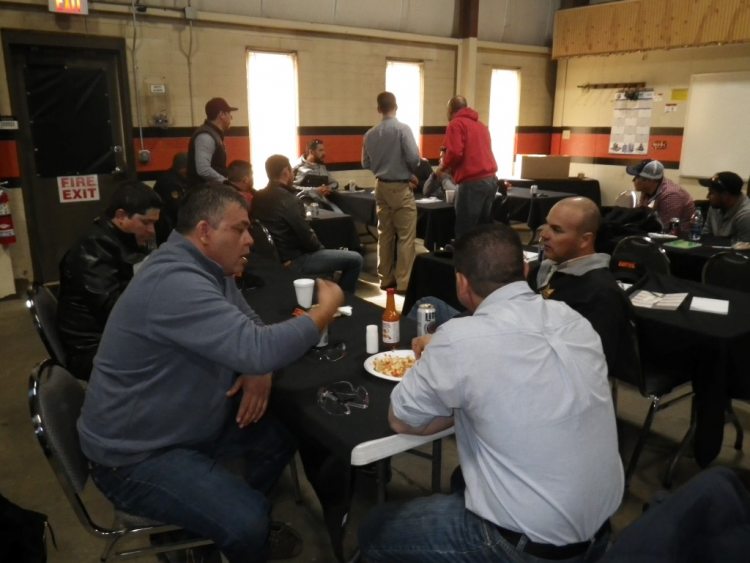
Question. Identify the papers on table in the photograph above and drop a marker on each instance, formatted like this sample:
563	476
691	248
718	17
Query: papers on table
529	256
706	305
624	285
655	300
429	200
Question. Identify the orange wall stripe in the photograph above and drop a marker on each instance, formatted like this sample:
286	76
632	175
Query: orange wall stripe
9	167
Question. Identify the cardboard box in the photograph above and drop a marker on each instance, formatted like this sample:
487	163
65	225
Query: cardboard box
539	166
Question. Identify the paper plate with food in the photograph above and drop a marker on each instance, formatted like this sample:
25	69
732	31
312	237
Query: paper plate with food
390	365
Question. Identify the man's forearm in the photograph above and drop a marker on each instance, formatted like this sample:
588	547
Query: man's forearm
435	425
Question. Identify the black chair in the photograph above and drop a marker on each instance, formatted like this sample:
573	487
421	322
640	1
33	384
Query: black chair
263	241
654	382
728	269
42	305
500	212
636	256
55	401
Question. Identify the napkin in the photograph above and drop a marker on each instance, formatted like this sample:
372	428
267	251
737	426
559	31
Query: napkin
346	311
706	305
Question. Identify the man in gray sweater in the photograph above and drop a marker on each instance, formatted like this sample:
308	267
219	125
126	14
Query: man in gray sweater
181	383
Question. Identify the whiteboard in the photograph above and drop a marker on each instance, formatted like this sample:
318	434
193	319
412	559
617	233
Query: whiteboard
717	125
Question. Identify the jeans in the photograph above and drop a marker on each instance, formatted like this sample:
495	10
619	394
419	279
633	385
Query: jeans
440	529
325	262
443	311
192	487
474	204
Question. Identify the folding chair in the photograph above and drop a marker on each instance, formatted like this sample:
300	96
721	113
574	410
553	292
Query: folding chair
636	256
728	269
42	305
55	401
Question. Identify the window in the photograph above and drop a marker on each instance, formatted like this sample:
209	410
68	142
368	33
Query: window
273	109
505	93
404	80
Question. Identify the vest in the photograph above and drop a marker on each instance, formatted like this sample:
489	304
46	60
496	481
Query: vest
218	159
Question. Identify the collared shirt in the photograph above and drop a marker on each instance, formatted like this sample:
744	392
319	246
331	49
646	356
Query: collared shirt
525	379
306	168
670	201
389	150
733	223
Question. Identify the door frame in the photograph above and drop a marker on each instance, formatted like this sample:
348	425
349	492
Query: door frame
18	37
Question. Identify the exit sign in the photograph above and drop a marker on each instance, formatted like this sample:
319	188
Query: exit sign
69	6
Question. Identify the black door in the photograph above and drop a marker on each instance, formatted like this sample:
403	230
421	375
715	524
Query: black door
74	139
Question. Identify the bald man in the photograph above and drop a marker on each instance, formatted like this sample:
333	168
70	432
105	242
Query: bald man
573	272
468	157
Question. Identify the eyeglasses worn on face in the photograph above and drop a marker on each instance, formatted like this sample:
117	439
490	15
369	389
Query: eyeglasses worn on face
341	397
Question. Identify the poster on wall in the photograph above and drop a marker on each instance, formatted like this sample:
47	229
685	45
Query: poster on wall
631	122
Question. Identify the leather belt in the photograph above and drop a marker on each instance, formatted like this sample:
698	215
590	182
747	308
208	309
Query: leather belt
549	551
393	181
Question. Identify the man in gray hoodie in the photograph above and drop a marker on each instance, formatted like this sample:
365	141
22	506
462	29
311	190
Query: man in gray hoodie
181	383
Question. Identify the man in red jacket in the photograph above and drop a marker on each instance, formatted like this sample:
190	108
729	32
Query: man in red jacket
468	154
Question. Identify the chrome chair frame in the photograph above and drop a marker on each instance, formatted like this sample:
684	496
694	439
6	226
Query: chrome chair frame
72	470
39	298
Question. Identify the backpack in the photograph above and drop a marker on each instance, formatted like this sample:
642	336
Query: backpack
23	534
623	222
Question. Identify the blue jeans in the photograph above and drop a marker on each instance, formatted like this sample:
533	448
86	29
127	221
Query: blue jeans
473	204
193	488
443	311
327	261
440	529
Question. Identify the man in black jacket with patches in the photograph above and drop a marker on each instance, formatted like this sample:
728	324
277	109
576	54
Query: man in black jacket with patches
98	268
574	273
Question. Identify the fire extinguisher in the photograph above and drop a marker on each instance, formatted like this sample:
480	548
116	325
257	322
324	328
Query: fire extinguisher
7	233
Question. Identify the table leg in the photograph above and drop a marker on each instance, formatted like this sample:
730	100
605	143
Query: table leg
437	464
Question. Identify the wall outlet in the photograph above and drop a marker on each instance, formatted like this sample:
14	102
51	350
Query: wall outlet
144	156
190	13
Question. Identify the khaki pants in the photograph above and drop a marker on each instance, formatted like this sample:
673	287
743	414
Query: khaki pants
397	229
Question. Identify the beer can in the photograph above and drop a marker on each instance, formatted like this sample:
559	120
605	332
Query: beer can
674	226
426	316
534	190
315	209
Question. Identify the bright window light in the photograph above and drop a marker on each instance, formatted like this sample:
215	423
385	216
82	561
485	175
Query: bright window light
505	93
404	80
273	108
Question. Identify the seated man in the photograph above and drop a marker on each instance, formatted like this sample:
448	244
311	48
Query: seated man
439	182
171	187
574	273
98	268
729	215
661	194
240	177
524	380
311	176
181	383
283	215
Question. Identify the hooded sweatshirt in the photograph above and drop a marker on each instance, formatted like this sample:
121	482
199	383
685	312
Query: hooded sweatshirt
468	148
173	346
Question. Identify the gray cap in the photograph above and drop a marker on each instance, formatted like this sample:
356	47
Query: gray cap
649	169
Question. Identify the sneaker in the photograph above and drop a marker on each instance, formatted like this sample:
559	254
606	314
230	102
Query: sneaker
283	542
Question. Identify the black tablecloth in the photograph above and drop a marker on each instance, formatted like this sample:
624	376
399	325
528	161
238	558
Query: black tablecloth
431	276
335	230
586	187
688	263
359	204
295	387
532	211
712	347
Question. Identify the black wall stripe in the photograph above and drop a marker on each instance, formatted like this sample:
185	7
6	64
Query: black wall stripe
593	130
619	161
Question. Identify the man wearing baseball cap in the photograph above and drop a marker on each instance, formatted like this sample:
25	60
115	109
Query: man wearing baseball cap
667	198
729	215
207	156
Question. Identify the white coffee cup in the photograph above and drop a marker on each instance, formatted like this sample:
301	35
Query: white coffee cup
450	195
303	287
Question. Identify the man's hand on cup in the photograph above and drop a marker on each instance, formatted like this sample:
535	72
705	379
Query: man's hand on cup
330	298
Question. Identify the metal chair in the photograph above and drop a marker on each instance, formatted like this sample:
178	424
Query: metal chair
654	382
636	256
42	305
728	269
263	241
628	198
55	401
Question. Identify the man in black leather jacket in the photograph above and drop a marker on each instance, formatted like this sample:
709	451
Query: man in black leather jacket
96	270
283	214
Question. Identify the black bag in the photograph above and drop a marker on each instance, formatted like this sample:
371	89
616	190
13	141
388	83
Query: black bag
623	222
22	534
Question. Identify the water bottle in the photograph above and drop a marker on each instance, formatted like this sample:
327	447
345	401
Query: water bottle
696	225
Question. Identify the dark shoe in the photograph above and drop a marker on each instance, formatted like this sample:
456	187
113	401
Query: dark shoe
283	542
387	286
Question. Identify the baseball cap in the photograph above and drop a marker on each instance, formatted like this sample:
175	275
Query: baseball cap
649	169
723	182
215	106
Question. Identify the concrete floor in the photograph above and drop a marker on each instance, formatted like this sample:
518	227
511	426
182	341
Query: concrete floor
26	478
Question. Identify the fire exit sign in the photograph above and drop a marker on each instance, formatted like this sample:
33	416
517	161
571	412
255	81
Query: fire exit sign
69	6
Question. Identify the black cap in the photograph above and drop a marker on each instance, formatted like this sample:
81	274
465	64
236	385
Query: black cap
723	182
215	106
